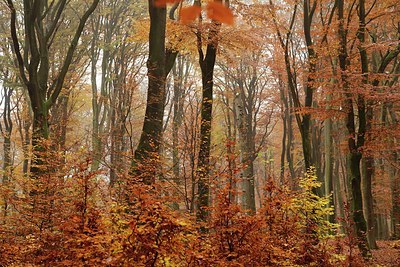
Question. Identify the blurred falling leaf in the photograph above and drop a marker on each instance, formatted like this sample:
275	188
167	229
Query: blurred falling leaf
219	12
189	14
163	3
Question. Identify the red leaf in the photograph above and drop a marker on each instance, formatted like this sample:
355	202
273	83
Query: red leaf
219	12
189	14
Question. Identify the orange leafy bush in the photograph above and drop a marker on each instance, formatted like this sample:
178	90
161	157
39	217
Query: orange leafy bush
77	221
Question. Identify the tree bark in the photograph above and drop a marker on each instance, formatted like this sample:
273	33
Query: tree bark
328	181
6	131
146	164
354	141
150	139
207	63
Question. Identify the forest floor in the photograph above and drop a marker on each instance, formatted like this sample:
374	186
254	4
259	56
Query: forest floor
387	255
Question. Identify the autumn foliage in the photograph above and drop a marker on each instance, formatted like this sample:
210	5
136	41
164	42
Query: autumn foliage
285	82
215	11
75	221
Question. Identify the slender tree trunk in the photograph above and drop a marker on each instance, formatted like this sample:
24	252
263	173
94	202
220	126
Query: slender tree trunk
338	189
354	156
246	155
285	114
179	78
290	139
365	114
7	159
395	184
207	63
305	126
368	166
394	178
328	181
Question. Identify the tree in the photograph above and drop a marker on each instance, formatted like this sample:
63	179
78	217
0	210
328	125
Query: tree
249	96
355	140
207	64
159	64
6	129
41	22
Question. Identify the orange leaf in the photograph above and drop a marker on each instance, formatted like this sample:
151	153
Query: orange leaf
163	3
189	14
219	12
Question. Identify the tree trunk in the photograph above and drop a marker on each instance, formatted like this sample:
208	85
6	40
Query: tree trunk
305	125
7	159
147	152
40	24
146	164
368	166
246	154
354	141
180	75
365	114
328	183
338	189
207	63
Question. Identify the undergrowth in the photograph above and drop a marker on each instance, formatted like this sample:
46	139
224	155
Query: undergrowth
70	217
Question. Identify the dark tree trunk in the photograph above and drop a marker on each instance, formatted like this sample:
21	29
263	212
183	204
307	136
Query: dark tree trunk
40	24
146	165
355	140
207	63
146	154
6	130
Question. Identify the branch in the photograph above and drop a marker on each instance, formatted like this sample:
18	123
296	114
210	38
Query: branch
68	59
15	42
53	27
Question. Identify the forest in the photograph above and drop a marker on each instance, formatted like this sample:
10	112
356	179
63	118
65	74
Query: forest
200	133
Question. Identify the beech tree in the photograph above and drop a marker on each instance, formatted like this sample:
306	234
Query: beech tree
32	49
159	64
207	63
222	144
